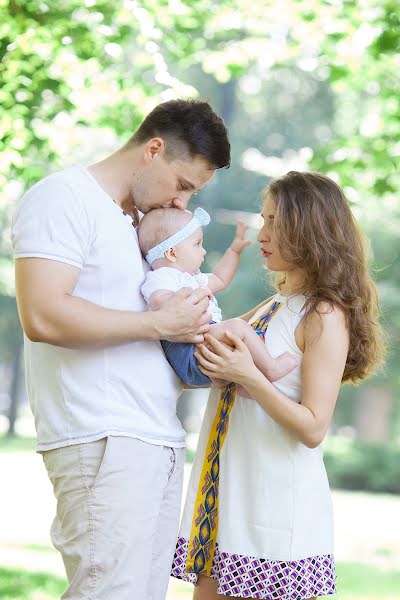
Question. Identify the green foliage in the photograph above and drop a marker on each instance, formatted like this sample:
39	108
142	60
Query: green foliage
49	53
52	53
363	70
358	465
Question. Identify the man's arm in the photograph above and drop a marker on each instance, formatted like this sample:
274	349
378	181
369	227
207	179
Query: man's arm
50	313
226	269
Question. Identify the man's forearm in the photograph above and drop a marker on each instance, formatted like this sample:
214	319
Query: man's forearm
78	323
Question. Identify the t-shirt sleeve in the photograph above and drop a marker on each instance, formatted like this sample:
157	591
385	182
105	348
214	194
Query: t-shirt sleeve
160	279
51	222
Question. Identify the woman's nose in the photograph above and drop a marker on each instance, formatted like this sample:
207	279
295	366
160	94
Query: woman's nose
262	235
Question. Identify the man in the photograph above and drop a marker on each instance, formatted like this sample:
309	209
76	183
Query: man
102	393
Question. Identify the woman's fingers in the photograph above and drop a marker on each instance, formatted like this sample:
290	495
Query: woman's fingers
235	339
209	374
220	349
205	362
207	353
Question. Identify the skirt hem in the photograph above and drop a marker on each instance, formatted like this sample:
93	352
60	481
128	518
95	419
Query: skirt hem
243	576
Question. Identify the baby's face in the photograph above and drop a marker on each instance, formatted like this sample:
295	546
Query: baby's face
190	253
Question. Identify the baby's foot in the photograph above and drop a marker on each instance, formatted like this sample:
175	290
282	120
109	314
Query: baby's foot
282	365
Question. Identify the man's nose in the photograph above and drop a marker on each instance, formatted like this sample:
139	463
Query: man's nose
182	200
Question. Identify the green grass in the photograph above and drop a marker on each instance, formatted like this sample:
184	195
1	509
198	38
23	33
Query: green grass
355	581
17	444
367	582
39	548
189	457
19	585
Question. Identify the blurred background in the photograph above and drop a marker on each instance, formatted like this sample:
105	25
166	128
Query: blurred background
310	84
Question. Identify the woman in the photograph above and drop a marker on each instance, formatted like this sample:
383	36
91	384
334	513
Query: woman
258	517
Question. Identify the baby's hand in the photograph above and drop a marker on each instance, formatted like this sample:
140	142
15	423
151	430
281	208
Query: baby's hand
240	243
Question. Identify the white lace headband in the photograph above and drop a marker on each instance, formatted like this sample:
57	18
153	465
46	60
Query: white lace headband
200	219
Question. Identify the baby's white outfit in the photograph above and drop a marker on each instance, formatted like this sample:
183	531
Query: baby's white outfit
167	278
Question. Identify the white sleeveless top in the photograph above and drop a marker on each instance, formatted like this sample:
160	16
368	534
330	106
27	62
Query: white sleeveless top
274	497
280	337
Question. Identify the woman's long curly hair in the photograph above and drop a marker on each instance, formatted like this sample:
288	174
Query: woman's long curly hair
317	233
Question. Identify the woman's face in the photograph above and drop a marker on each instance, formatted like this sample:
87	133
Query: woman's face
268	241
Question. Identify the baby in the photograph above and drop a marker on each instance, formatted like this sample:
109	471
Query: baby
171	240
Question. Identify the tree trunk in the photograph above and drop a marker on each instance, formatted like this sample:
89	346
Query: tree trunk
16	370
372	414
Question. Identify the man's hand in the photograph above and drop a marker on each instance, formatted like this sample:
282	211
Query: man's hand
240	243
185	316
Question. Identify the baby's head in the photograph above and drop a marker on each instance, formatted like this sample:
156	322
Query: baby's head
170	237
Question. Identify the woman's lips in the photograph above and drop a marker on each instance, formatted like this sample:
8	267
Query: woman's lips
265	253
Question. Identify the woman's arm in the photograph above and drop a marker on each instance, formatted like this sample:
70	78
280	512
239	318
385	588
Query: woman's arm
325	352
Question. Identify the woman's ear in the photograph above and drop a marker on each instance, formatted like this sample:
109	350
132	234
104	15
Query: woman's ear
170	255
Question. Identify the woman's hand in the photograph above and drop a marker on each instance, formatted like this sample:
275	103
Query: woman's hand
216	360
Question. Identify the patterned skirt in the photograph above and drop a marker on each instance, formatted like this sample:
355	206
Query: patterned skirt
249	577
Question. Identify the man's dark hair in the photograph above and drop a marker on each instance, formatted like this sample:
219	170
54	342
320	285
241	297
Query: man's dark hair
188	128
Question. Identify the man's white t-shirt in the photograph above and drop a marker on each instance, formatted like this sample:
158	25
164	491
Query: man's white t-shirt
82	395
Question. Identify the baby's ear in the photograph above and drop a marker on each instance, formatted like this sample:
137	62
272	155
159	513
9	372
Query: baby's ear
170	255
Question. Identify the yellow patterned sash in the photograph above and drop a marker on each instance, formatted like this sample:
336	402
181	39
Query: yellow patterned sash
203	536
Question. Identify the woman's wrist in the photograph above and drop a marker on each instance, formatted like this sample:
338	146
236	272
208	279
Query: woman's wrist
251	378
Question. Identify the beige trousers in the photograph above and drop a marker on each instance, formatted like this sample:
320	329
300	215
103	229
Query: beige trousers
118	504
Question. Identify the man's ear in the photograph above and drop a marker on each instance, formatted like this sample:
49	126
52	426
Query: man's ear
152	148
170	255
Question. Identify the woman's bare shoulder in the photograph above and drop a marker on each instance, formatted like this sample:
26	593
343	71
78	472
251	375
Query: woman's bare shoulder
326	320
